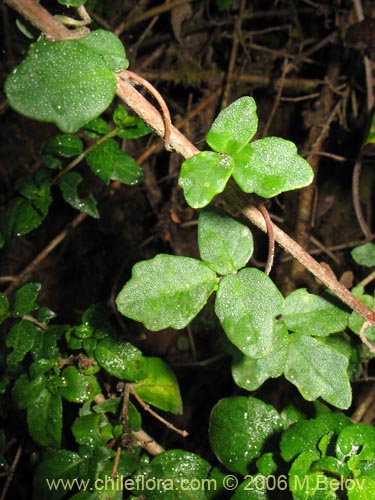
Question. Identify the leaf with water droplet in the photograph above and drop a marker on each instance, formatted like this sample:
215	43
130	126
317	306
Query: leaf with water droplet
160	387
110	163
246	305
67	83
318	370
69	184
241	429
25	299
92	430
225	244
203	176
21	338
44	419
270	166
234	126
177	289
314	315
78	387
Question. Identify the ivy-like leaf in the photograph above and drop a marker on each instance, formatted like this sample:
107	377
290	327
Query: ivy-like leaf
67	83
234	126
364	255
240	428
270	166
177	289
160	387
250	373
121	359
313	315
203	176
225	244
78	387
309	367
110	163
69	187
246	305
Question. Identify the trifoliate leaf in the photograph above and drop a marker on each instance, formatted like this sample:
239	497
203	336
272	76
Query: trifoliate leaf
177	289
318	371
234	126
270	166
246	305
203	176
225	244
313	315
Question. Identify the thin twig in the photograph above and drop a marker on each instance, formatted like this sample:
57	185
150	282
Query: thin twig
147	408
356	199
362	336
147	442
271	238
164	108
11	472
277	99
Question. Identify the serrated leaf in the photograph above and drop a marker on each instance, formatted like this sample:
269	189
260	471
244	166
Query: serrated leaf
177	289
44	87
225	244
177	471
131	127
110	163
62	464
246	305
234	126
21	338
69	187
311	314
78	387
203	176
44	419
270	166
92	430
309	367
304	436
96	128
241	429
250	373
25	299
22	216
160	387
65	145
364	255
121	359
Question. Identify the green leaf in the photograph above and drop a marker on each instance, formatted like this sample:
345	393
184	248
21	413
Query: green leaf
225	244
25	392
4	308
44	419
55	465
131	127
44	87
223	4
160	387
121	359
234	126
358	439
72	3
313	315
92	430
307	485
110	163
254	487
356	321
250	373
96	128
23	215
364	255
21	338
181	475
78	387
69	187
270	166
246	305
203	176
304	436
177	289
25	299
241	429
309	367
65	145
